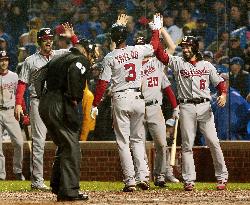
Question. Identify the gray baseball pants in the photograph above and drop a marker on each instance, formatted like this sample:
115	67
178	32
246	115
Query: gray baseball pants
8	122
190	116
38	132
128	115
155	123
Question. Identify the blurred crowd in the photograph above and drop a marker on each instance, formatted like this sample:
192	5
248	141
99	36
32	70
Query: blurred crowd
223	29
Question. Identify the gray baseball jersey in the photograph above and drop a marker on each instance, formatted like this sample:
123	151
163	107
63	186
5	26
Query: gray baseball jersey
34	63
8	85
124	66
193	80
153	80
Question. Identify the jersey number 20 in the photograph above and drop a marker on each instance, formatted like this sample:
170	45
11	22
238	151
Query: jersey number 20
152	81
131	72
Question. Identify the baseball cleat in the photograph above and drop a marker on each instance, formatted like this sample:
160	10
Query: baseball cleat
188	187
221	185
144	185
42	187
129	188
172	179
79	197
160	184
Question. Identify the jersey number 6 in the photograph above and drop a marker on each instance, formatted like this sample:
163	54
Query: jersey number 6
131	72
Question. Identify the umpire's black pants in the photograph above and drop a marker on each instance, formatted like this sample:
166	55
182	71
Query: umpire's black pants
61	120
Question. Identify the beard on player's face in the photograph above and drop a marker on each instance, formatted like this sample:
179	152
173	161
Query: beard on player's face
187	53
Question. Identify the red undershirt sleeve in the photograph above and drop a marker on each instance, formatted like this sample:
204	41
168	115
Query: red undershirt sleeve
74	39
162	55
99	92
155	39
21	87
171	96
222	88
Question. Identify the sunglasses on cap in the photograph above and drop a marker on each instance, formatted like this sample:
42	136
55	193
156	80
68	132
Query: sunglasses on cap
47	37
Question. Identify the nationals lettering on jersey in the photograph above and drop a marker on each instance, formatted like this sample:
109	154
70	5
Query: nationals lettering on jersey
153	80
193	80
194	72
123	66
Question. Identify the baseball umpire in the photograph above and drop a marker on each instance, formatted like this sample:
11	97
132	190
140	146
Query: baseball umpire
193	76
66	79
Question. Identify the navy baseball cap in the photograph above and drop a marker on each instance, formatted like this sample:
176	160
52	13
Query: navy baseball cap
208	54
168	13
237	61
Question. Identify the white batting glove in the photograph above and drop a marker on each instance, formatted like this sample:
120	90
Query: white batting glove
176	112
156	24
94	112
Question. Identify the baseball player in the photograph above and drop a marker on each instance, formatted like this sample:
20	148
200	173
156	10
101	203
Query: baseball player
38	129
8	84
123	66
154	84
193	76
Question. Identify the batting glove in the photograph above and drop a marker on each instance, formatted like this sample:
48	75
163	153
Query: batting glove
94	112
156	24
176	112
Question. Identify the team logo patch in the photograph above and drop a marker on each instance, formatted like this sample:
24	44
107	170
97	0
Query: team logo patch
81	67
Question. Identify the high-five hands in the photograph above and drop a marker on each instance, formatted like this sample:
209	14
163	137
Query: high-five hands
157	22
68	30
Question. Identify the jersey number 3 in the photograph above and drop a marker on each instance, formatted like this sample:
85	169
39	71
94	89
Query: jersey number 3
131	72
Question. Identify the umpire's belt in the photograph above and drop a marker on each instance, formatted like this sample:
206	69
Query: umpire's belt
6	108
130	90
194	100
151	102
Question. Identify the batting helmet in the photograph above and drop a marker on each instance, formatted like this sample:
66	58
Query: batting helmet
119	33
3	55
87	44
191	41
44	33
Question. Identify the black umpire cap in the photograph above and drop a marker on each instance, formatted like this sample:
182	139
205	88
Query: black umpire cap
87	44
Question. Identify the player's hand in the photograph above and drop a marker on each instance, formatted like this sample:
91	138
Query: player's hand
18	112
94	112
122	20
221	100
156	24
68	30
176	112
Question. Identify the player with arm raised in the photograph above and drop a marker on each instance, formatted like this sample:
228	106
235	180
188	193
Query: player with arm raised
38	129
193	76
154	84
123	66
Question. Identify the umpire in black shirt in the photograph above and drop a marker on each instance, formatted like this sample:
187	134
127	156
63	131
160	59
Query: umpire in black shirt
66	79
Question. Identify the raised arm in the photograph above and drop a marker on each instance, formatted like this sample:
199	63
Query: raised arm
168	41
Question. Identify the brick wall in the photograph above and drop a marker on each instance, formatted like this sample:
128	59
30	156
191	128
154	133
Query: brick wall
100	161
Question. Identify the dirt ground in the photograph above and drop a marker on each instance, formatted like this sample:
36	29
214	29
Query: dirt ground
158	197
